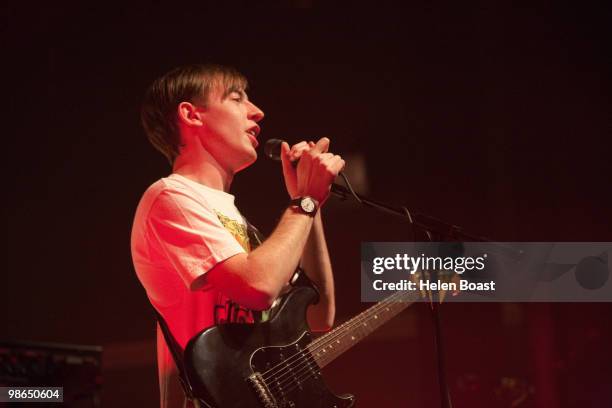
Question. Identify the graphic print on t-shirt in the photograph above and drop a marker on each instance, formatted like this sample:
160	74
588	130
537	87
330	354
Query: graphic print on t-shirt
226	310
237	229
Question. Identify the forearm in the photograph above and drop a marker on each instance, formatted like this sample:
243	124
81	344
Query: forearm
315	258
272	264
256	279
317	265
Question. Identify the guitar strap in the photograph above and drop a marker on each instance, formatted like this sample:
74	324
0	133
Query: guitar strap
177	354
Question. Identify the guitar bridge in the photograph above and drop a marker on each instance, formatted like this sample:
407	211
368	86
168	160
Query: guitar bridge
261	390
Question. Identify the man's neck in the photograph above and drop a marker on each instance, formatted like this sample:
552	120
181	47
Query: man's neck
202	168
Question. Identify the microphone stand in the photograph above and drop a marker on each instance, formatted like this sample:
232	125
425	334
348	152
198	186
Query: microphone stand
427	223
436	230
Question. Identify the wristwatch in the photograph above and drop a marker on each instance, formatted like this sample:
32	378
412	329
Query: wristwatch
306	205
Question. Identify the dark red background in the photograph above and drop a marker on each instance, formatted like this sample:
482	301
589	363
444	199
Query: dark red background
495	118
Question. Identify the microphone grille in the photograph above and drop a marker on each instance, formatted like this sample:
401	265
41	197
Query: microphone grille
272	149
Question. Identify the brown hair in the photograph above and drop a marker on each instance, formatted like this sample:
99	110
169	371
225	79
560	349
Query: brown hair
191	83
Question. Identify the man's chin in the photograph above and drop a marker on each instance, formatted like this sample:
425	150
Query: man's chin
248	161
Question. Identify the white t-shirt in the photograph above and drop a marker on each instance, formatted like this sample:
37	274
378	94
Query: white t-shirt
181	230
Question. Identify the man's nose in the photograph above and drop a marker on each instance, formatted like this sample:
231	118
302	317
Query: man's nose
255	114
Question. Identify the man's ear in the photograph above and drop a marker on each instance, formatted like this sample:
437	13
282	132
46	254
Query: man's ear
189	114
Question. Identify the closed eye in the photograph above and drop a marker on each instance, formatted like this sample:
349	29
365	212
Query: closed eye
237	96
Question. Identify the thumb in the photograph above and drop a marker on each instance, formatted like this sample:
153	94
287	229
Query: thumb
285	157
322	145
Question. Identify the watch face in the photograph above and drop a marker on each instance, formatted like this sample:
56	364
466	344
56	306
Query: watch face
307	204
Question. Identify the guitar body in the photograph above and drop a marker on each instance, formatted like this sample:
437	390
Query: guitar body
263	365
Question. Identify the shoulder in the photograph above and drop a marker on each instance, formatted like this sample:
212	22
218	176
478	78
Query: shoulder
170	192
167	186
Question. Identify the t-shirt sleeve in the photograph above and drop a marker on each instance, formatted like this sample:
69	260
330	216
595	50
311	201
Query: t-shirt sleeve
188	234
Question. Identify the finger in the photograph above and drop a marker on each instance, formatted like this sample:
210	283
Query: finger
298	150
321	159
285	150
298	146
322	145
337	164
325	158
285	157
329	159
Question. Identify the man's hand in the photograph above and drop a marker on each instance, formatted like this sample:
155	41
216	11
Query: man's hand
315	172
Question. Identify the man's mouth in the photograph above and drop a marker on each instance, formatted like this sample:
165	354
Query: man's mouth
253	132
253	138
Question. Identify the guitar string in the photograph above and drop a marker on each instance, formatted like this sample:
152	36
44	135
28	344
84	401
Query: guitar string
307	370
321	343
339	330
306	366
330	357
304	376
411	296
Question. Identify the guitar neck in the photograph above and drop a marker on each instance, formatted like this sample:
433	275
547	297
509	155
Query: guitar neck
331	345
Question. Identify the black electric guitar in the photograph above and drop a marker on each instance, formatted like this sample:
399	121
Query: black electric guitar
276	364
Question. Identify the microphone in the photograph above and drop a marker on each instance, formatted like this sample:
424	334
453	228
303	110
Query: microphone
272	149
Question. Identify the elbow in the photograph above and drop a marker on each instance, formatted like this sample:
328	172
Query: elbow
322	327
261	297
327	323
263	291
243	281
261	301
321	317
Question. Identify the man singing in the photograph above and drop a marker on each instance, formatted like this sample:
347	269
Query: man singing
191	247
